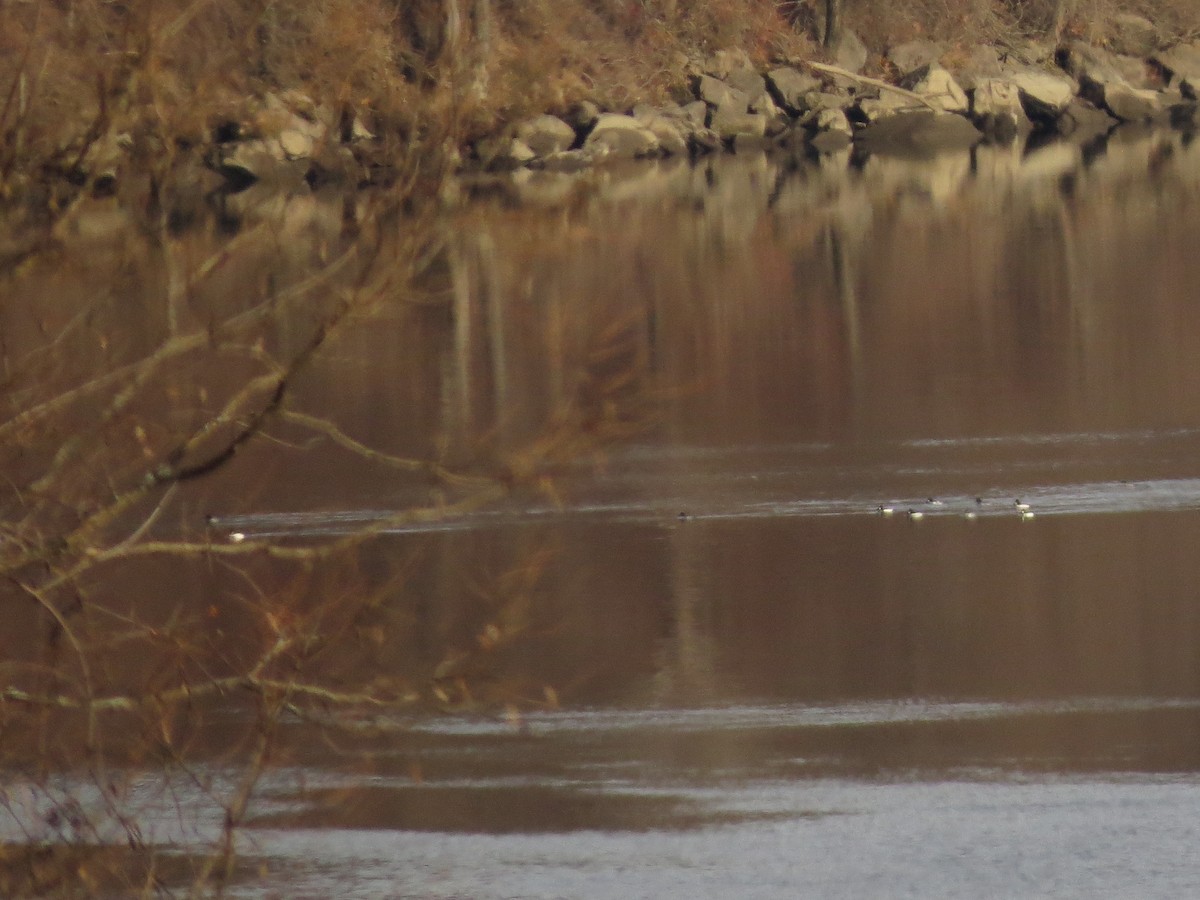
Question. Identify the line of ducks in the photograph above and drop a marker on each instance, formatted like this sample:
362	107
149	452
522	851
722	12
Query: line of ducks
915	515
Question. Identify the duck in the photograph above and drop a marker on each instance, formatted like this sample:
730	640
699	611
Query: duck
885	510
916	515
1019	505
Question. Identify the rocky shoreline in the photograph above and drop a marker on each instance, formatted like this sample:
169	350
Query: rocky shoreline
931	102
923	97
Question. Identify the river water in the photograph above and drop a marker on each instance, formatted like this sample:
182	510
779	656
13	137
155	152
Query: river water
742	677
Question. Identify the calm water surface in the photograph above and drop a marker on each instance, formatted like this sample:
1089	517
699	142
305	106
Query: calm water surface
766	687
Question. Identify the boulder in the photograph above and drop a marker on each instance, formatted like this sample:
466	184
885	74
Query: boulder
938	86
834	120
568	161
545	135
695	112
765	104
704	140
997	111
685	119
919	134
667	131
723	62
849	52
815	101
789	87
621	136
727	125
246	162
1181	64
983	61
295	144
1132	34
719	95
1043	95
583	115
1131	104
746	80
1091	66
912	55
888	103
1082	121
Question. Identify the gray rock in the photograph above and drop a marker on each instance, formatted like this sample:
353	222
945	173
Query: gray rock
815	101
938	86
920	134
695	112
888	103
545	135
568	161
912	55
1082	121
1132	34
1043	95
258	160
997	111
518	152
849	52
683	119
723	62
1089	65
983	61
1131	104
720	95
746	80
295	144
790	85
666	130
583	115
1181	63
763	103
834	120
705	140
727	125
622	137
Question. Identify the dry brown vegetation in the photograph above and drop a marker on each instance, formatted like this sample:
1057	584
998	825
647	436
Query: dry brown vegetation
162	76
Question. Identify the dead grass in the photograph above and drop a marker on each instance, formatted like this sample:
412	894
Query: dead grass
166	72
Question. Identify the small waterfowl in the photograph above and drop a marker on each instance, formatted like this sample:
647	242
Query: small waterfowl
236	537
1019	505
1026	515
916	515
934	501
885	510
683	517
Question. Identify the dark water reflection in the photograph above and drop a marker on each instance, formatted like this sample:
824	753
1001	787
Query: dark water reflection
784	692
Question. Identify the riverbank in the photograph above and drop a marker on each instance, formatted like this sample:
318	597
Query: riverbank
166	105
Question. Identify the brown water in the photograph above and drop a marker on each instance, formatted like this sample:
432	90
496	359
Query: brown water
767	687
